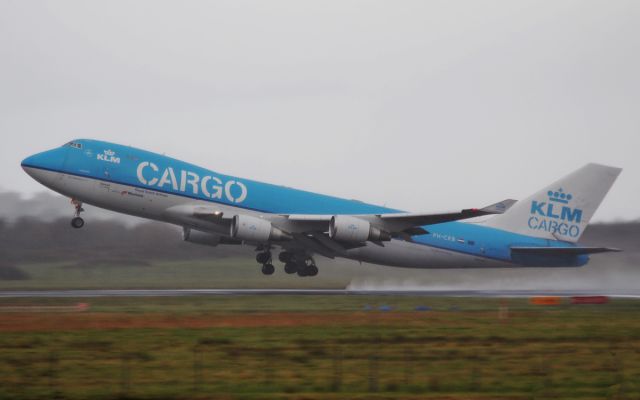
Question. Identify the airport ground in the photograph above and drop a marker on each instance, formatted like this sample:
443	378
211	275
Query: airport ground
300	347
317	347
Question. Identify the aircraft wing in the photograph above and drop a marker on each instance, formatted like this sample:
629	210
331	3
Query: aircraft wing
411	221
310	232
404	223
204	218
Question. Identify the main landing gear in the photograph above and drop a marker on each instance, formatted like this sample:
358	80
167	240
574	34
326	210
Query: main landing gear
307	267
264	258
293	263
77	222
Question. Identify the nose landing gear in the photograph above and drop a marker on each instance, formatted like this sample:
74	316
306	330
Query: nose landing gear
77	222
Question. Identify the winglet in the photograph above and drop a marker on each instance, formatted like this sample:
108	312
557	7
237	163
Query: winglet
499	207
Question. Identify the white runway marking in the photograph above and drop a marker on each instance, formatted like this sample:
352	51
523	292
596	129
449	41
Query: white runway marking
301	292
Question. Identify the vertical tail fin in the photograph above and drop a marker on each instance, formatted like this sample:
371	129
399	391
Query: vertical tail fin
562	210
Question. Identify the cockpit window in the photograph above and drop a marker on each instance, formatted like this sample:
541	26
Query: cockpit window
74	144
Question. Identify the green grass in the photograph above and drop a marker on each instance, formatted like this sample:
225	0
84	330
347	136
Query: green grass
460	349
215	273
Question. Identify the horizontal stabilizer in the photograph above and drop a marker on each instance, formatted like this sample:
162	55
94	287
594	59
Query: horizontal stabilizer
561	251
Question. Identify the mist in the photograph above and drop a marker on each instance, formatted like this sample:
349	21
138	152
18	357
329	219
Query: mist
611	272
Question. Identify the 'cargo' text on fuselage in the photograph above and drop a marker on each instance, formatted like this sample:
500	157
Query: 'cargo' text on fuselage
190	182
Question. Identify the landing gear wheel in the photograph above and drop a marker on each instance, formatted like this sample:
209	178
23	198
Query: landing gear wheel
77	222
307	267
263	258
290	268
285	257
268	269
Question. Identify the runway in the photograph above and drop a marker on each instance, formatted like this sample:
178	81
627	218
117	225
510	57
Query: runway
302	292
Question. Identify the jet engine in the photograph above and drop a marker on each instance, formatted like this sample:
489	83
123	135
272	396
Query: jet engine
345	228
199	237
252	229
206	238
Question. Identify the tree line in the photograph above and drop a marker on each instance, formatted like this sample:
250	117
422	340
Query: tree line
28	239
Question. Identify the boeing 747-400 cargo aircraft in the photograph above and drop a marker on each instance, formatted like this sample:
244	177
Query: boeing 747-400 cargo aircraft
215	209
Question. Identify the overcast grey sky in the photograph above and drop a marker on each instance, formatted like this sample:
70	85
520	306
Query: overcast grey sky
424	106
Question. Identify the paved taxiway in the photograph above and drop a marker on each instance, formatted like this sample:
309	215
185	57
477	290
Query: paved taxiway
302	292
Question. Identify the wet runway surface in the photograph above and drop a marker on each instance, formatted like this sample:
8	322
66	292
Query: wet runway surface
304	292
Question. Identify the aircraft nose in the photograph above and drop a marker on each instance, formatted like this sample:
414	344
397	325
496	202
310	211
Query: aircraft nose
31	161
50	160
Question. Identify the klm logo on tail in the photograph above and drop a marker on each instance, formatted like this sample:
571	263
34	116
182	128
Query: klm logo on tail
556	215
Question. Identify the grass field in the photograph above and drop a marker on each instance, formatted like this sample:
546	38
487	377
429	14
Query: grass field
324	347
213	273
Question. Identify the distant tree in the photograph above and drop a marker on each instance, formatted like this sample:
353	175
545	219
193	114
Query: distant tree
30	239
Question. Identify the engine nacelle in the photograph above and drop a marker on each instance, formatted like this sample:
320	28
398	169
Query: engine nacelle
345	228
206	238
252	229
199	237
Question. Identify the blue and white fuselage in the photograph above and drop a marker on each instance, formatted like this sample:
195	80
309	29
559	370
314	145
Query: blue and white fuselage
540	231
